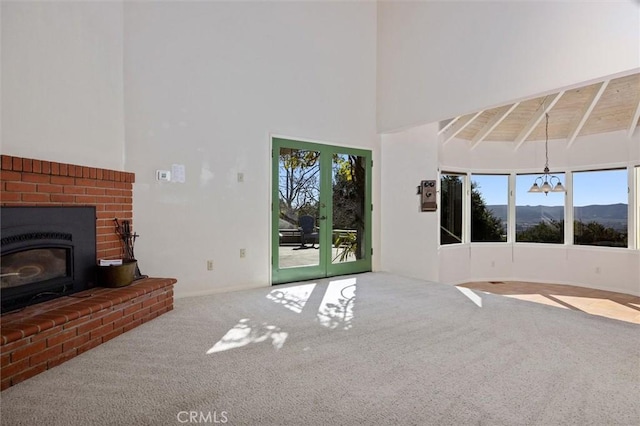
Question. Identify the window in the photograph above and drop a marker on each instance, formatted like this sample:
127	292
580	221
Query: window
451	211
539	217
600	208
478	209
489	208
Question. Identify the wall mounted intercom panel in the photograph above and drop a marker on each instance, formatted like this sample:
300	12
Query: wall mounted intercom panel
427	191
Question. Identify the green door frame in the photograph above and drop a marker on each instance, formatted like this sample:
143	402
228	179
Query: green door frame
325	268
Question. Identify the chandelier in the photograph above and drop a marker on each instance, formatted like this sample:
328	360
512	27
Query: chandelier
548	182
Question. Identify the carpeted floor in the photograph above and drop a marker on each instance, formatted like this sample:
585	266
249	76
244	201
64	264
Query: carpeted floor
369	349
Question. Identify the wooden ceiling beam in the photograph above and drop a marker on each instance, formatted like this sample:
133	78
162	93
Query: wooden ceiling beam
449	124
634	121
492	124
526	131
460	125
586	112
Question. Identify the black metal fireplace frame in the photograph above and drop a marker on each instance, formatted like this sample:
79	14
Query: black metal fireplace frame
71	228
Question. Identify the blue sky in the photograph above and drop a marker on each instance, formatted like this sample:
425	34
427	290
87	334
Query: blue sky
608	187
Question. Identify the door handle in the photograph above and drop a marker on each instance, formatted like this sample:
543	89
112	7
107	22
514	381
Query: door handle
322	218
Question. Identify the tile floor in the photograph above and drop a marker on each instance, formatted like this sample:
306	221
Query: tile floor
619	306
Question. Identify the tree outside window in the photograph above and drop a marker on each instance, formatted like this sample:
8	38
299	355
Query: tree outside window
489	208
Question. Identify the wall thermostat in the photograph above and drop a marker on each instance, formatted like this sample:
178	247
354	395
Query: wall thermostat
163	175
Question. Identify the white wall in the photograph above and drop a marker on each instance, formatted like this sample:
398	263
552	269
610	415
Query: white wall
62	90
205	86
600	268
437	59
603	268
409	245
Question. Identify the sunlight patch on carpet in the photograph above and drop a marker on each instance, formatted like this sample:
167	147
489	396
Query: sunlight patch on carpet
537	298
293	298
247	332
471	295
601	307
336	309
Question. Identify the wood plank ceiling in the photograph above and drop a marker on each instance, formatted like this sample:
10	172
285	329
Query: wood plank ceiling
601	107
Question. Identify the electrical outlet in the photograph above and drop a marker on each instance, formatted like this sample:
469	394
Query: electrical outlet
240	177
597	269
243	253
209	265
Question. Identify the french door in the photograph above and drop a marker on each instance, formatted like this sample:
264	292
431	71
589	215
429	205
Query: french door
321	213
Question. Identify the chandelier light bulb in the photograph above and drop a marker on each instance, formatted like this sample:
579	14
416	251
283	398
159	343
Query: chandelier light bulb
558	188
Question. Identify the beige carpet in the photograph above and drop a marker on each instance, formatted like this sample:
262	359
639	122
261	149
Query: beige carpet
370	349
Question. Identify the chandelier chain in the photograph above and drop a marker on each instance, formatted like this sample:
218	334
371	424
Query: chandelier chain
549	182
546	140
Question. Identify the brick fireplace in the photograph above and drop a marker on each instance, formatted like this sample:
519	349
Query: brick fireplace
44	335
28	182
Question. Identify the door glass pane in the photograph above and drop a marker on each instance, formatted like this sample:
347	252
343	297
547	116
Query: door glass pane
299	197
348	179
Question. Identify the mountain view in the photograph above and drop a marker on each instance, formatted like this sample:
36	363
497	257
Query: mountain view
611	215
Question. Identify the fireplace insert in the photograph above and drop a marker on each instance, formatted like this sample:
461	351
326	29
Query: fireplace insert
46	252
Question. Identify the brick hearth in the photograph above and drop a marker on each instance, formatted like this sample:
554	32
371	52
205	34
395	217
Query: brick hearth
47	334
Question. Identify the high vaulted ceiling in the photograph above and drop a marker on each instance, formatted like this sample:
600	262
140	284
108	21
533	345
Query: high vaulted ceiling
601	107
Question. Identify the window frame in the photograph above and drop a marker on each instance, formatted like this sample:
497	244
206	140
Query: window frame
633	217
508	205
465	202
567	201
630	205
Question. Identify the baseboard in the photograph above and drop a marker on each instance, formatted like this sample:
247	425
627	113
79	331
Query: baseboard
218	290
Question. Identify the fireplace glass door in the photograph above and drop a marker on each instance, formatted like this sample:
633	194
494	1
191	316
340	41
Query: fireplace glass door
31	266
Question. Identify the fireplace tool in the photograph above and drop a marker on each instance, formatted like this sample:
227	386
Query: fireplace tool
128	241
